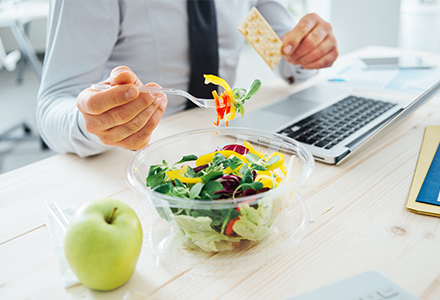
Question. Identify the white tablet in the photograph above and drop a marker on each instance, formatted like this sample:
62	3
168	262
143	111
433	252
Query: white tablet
401	62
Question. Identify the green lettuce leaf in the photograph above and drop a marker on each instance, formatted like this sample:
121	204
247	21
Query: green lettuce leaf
254	224
200	233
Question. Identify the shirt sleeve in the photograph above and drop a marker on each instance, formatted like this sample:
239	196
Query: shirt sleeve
81	36
281	20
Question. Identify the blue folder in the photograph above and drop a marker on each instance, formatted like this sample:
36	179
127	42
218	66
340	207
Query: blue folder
430	190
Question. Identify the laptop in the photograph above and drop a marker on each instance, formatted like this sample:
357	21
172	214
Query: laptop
332	122
368	285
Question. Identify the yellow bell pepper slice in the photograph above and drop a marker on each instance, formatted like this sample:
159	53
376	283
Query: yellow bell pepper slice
278	164
266	180
283	169
207	158
180	174
252	150
231	115
219	81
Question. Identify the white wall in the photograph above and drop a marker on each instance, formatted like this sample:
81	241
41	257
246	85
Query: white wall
420	25
359	23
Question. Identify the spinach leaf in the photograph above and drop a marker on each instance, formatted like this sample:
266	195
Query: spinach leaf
209	189
178	183
164	162
257	167
164	188
190	172
234	214
154	169
243	169
218	159
229	214
154	180
252	157
195	190
234	162
253	89
240	108
211	176
248	177
273	160
253	185
186	158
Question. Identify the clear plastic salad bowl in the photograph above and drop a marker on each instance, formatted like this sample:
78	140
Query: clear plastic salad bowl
269	221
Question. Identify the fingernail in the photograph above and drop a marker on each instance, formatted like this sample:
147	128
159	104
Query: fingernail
287	49
116	73
131	93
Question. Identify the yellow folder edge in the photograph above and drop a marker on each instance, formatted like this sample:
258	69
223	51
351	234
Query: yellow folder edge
430	143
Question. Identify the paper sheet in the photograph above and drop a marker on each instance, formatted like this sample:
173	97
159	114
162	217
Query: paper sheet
403	80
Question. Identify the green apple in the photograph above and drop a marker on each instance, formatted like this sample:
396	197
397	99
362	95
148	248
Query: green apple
102	243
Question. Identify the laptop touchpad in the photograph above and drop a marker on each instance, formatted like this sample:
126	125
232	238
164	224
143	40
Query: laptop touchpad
261	119
292	107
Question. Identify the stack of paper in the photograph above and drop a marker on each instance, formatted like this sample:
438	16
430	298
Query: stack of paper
424	195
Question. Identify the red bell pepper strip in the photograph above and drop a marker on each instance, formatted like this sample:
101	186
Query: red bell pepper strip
229	231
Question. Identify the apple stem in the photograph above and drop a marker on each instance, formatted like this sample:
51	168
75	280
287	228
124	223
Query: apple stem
112	214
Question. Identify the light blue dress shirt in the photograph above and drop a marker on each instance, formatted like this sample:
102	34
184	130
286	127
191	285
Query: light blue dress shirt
88	38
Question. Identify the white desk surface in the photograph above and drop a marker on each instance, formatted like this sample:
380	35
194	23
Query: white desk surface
360	221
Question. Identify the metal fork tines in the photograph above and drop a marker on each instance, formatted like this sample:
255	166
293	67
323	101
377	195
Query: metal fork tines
203	103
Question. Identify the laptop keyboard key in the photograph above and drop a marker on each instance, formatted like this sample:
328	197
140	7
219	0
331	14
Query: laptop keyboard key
334	124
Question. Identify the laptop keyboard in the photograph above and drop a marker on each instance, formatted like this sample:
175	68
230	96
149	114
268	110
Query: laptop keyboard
330	126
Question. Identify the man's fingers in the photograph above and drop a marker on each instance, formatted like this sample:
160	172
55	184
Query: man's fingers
122	114
119	115
133	133
311	43
123	131
317	52
324	61
293	38
141	138
96	102
312	40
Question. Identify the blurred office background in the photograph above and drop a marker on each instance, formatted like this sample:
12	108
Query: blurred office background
408	24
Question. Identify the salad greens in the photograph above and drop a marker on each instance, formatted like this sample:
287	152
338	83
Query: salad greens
232	172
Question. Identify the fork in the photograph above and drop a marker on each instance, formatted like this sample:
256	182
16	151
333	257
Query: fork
203	103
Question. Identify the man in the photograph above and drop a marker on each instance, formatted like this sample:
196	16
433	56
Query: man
139	42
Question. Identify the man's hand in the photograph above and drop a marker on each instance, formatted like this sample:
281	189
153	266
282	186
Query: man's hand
121	116
311	44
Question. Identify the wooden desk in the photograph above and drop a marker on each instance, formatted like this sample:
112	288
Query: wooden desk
360	222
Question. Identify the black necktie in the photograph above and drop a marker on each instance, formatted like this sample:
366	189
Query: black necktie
203	45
